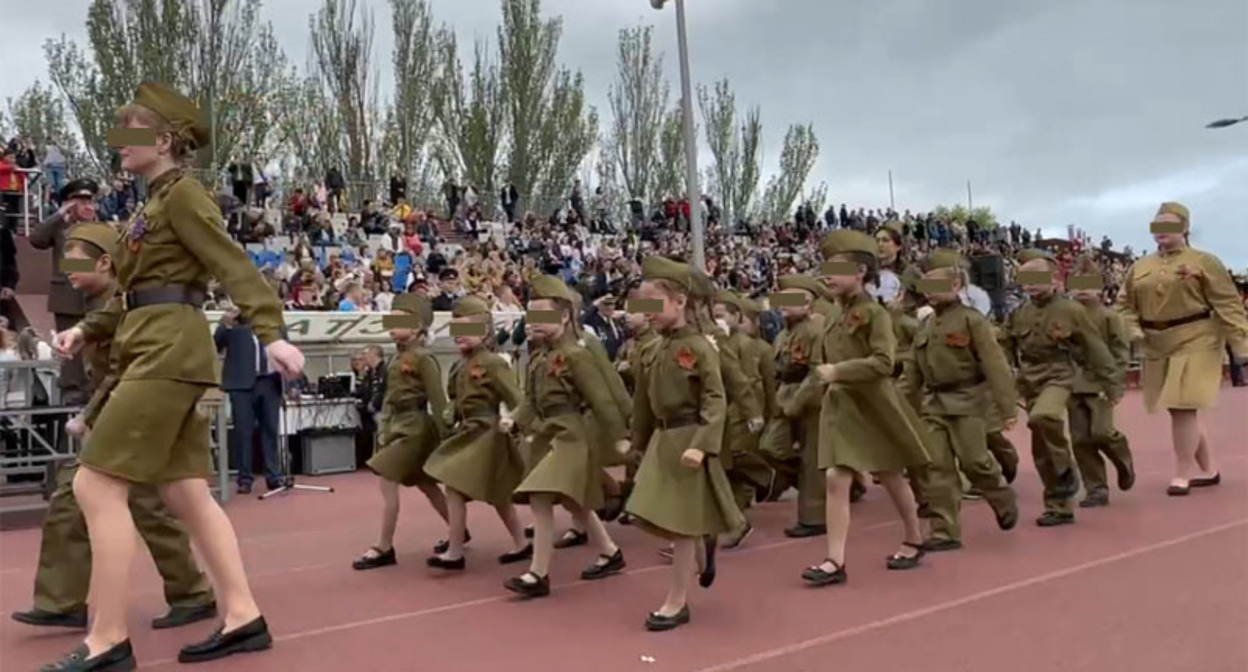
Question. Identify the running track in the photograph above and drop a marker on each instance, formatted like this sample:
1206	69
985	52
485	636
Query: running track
1150	583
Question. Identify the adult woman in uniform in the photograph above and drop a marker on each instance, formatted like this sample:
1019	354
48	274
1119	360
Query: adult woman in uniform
149	430
1182	303
562	379
478	462
681	492
415	419
863	425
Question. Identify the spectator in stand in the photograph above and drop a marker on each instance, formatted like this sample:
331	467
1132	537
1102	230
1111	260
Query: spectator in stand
398	186
56	166
436	261
509	198
336	188
411	239
451	192
354	299
12	182
8	274
451	289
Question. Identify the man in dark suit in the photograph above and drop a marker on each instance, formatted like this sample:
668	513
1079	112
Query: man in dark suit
255	390
67	304
602	319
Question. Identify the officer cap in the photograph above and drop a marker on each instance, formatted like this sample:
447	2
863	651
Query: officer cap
80	188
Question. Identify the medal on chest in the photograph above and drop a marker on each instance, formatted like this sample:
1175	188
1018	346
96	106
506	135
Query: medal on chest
136	233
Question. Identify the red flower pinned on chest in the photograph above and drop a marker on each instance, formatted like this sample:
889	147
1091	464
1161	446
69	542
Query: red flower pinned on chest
853	319
1058	332
958	339
476	371
1186	272
798	353
686	358
558	366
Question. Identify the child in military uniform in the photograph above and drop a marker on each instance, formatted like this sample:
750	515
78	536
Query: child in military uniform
1092	430
478	461
149	430
1045	337
746	470
790	441
61	582
682	493
562	381
957	367
413	421
863	426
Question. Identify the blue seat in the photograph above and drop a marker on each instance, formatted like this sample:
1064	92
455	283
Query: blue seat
402	269
255	258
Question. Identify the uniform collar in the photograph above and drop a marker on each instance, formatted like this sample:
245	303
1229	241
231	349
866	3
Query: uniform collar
164	179
1171	253
687	330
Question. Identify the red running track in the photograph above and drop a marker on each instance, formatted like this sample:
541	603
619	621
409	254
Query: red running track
1150	583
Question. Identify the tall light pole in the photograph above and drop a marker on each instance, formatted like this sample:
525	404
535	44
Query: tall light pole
691	142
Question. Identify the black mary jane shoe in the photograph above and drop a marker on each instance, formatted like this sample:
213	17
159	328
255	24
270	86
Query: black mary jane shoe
706	578
1094	500
614	564
181	616
1055	518
521	555
246	639
1008	519
572	539
1179	490
1213	480
656	622
540	587
120	658
802	531
444	545
817	576
52	619
613	509
903	562
438	562
935	545
381	559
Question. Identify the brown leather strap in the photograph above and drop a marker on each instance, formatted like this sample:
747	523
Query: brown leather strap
556	410
155	296
1170	324
676	422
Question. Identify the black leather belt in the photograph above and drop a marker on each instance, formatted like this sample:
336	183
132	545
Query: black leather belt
960	385
482	414
557	410
679	421
1170	324
155	296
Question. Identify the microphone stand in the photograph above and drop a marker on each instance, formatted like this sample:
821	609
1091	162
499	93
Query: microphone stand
284	458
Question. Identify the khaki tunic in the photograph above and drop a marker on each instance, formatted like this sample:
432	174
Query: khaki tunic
678	383
567	407
1049	339
797	355
1183	364
863	422
739	370
149	429
601	437
630	358
477	460
767	383
408	432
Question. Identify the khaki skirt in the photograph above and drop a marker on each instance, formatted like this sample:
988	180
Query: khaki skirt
672	500
151	431
401	455
479	462
567	467
1185	380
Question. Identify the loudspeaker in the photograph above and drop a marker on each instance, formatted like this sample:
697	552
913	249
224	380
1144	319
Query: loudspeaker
988	272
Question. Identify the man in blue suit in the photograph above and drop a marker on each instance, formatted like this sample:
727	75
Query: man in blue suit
255	391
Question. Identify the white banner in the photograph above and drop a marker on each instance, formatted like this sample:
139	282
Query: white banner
327	327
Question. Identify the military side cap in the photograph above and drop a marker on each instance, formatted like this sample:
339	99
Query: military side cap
804	282
751	308
701	287
81	188
662	268
894	226
1033	254
1177	209
848	241
550	287
414	304
910	278
98	234
729	299
176	109
470	306
944	258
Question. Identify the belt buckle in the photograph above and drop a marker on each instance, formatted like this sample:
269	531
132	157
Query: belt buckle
125	302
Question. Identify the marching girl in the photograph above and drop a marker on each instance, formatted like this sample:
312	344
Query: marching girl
1182	304
478	461
681	493
562	381
149	429
863	426
413	422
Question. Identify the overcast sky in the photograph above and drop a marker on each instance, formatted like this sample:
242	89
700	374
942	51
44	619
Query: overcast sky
1088	112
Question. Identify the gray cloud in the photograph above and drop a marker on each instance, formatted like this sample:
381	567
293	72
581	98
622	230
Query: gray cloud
1069	111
